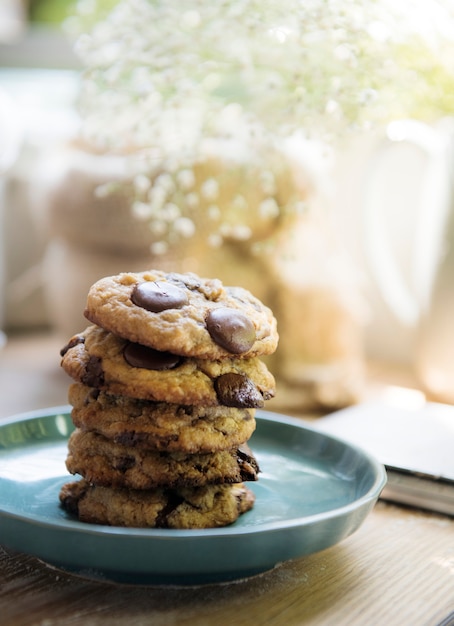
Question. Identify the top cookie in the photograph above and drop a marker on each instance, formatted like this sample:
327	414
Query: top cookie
183	314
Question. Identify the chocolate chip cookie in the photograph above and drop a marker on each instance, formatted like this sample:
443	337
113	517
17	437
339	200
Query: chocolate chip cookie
98	358
167	380
103	462
159	425
188	507
183	314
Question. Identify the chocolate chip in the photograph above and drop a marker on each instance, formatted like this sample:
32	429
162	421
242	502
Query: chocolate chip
130	438
94	374
70	497
158	296
92	396
247	463
124	463
231	329
74	341
173	502
237	390
137	355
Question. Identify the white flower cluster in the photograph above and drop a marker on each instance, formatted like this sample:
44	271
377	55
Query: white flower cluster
164	77
288	64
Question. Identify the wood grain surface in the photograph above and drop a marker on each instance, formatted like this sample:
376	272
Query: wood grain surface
397	569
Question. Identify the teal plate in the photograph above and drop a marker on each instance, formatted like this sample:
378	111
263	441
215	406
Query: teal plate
314	490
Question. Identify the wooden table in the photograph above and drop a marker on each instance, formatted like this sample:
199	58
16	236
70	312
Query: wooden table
397	569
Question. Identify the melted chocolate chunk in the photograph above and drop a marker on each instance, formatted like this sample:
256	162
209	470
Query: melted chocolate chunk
92	396
231	329
74	341
247	463
124	463
130	438
94	374
158	296
137	355
70	501
173	502
237	390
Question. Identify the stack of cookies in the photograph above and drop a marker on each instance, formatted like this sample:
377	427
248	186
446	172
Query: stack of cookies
167	380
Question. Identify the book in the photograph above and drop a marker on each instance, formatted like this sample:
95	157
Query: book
415	444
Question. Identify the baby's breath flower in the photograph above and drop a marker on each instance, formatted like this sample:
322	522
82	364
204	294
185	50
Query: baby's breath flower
159	248
157	196
192	200
165	183
141	210
142	183
186	179
164	77
210	189
184	226
268	208
171	212
235	232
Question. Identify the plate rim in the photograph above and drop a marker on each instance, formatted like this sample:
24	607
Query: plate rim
263	415
188	557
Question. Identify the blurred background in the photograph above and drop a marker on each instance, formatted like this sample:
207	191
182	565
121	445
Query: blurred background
310	158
